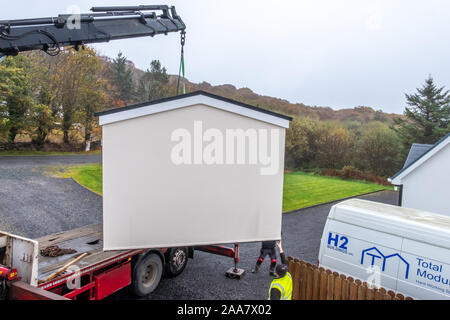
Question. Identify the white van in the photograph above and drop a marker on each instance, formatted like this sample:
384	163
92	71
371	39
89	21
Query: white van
401	249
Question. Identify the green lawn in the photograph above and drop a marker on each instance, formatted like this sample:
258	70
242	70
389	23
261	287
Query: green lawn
89	176
300	189
45	153
304	189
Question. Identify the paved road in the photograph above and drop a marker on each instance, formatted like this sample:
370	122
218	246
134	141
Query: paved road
33	204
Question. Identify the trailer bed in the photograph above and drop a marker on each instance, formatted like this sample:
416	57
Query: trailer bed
87	239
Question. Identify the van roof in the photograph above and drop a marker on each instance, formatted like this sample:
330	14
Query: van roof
409	223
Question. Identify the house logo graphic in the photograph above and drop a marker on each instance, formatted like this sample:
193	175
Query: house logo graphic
373	254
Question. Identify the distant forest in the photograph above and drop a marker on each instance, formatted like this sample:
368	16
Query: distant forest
49	103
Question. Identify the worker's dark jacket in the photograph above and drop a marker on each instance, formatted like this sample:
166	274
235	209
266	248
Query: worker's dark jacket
275	294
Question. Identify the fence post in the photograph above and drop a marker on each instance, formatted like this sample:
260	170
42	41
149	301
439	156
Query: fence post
296	288
400	296
345	287
370	294
337	287
353	289
309	283
323	285
362	287
330	285
316	284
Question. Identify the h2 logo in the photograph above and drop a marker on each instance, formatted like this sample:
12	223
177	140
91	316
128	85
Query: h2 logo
338	241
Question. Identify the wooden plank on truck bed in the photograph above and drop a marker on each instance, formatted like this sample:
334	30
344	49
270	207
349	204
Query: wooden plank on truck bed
87	239
93	230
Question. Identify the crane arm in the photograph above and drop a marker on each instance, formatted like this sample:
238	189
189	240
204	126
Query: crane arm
102	25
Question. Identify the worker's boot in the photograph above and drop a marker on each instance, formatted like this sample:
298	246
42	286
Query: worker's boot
272	272
273	264
255	269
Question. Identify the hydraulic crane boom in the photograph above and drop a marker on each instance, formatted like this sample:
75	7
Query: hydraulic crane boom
102	25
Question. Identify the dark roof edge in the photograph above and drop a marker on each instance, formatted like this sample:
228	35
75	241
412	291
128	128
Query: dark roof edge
194	93
429	150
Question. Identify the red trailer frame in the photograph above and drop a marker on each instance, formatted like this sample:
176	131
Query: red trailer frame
100	280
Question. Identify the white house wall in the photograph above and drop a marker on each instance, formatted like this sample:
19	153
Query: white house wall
150	202
427	187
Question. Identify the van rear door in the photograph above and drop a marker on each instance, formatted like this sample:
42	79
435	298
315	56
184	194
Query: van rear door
428	275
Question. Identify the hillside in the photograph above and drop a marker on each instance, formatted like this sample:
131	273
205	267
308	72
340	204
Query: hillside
246	95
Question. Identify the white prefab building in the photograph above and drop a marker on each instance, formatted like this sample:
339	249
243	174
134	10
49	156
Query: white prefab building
191	170
424	180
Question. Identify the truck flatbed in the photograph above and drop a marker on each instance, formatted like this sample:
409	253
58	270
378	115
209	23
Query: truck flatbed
87	239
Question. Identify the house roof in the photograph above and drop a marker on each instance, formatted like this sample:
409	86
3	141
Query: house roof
414	163
416	151
189	99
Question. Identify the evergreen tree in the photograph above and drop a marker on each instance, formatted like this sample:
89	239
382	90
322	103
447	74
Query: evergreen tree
154	83
122	78
427	117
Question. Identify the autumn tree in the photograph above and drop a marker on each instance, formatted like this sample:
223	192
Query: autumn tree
93	99
78	75
427	115
42	122
301	144
378	150
154	82
334	147
15	94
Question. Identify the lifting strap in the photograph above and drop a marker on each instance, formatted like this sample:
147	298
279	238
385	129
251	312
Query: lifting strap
181	70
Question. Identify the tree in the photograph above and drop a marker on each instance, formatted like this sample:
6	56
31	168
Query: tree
15	94
122	78
78	81
427	117
154	83
301	146
335	144
43	122
378	149
94	98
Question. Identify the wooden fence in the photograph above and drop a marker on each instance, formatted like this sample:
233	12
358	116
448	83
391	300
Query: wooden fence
313	283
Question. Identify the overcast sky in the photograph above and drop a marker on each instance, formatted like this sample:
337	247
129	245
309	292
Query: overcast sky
324	52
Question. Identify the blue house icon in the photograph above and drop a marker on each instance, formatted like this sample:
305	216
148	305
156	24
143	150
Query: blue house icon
373	254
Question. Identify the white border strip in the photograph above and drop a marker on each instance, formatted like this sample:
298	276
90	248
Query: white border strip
189	101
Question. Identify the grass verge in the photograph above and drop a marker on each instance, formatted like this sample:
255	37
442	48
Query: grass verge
87	175
302	190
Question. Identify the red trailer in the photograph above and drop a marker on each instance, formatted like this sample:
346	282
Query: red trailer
89	272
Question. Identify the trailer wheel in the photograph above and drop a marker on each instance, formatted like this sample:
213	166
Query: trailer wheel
176	261
147	274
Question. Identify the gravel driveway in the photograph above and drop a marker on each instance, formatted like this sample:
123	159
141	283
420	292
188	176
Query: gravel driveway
34	204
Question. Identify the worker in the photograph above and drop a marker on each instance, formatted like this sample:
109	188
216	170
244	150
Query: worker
281	286
267	248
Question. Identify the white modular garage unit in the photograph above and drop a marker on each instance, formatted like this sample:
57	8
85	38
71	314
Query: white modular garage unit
191	170
425	177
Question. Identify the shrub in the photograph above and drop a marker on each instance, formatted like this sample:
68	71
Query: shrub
348	172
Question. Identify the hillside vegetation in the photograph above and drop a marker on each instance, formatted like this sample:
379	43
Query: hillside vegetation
48	104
